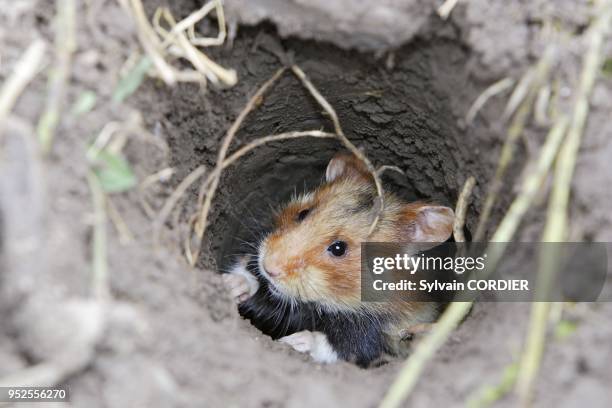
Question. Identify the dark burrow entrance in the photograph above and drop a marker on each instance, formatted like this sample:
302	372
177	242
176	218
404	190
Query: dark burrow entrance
403	109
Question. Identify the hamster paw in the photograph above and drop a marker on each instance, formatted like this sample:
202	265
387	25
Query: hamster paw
240	282
313	343
238	287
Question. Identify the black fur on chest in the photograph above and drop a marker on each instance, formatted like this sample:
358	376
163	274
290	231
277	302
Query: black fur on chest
356	336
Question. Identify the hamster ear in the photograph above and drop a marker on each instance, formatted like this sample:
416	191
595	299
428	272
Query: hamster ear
343	164
429	223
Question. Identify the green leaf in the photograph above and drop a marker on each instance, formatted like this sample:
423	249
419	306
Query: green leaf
564	329
607	67
114	173
85	103
130	82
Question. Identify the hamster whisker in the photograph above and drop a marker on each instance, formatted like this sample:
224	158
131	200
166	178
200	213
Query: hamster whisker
247	243
255	227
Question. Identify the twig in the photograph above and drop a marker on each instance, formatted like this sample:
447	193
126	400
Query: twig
159	176
209	194
384	168
65	46
209	186
520	93
564	168
220	39
99	249
25	70
210	69
557	219
162	175
191	20
507	153
541	106
445	9
496	88
409	375
173	199
149	40
273	138
461	209
125	234
181	41
192	255
347	143
532	183
514	132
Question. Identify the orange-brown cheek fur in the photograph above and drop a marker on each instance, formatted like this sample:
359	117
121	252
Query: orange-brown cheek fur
340	276
313	272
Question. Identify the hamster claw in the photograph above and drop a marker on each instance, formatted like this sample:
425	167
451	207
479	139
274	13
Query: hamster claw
301	341
313	343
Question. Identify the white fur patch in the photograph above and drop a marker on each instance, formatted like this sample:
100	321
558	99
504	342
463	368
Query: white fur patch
313	343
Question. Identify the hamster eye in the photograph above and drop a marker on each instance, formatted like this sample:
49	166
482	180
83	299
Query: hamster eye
302	214
338	248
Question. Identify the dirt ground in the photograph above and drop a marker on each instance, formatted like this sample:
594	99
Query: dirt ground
401	80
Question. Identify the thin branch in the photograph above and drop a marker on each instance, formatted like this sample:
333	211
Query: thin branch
532	183
445	9
173	199
193	255
125	234
345	141
25	70
149	40
380	171
177	37
497	88
100	287
461	209
540	74
65	46
208	194
424	351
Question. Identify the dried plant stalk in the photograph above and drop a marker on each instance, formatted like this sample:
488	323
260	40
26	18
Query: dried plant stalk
347	143
461	209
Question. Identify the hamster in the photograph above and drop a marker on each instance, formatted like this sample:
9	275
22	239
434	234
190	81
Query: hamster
303	285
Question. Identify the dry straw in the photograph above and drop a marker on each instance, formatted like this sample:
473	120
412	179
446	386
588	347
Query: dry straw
163	45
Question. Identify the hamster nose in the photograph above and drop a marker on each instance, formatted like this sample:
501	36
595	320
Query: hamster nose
275	273
272	269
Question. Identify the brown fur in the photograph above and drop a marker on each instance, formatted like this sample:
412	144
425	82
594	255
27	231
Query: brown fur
341	209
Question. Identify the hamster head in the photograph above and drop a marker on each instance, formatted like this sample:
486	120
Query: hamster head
314	251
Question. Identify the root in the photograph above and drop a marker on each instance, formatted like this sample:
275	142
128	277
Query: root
461	209
24	72
198	223
65	46
522	98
